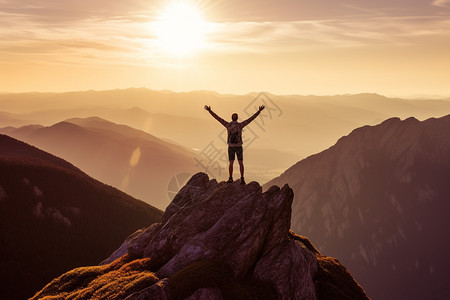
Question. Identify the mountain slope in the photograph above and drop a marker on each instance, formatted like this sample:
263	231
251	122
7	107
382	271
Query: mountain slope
378	200
53	217
129	159
215	241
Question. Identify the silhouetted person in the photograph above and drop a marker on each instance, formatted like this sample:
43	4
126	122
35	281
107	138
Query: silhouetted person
234	140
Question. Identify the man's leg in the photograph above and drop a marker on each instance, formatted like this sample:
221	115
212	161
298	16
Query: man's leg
230	168
240	156
241	167
231	155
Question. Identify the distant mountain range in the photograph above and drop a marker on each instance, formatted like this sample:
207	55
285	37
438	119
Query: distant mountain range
54	217
291	128
129	159
379	201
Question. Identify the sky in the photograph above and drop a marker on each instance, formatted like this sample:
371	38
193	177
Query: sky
321	47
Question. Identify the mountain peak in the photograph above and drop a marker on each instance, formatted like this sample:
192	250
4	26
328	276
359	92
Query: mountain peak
379	193
216	240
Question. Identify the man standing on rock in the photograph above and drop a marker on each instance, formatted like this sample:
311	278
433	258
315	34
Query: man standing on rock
234	140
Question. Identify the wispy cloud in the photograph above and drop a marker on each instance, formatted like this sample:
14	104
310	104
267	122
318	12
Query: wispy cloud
69	11
119	39
441	3
130	39
298	35
120	35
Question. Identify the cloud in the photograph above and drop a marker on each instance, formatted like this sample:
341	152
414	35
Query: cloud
70	11
91	41
441	3
41	40
123	41
122	33
305	35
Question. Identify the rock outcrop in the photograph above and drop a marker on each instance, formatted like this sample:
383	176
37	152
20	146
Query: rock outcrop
215	241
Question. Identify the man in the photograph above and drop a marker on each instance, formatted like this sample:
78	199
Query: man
234	140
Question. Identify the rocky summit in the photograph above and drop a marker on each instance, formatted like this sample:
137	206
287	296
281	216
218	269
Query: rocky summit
215	241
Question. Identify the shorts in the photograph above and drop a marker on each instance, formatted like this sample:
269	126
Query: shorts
235	150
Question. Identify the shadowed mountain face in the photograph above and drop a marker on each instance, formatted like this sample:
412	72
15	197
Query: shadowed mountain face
379	200
215	241
53	217
129	159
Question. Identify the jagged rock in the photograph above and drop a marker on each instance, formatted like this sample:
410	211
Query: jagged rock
228	241
123	249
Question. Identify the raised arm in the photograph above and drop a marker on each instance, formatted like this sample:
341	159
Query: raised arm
221	121
246	122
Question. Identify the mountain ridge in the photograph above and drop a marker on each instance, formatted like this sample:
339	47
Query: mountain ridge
375	195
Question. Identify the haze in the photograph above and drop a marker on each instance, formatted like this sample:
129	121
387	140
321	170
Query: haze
174	135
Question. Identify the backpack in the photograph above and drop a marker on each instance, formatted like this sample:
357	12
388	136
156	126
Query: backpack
234	135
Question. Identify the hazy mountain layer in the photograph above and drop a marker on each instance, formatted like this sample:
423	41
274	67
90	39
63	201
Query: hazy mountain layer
379	201
295	126
126	158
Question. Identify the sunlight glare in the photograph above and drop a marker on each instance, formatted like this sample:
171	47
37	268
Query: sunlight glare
135	156
180	28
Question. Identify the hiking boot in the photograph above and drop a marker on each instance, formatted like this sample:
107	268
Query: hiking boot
242	180
230	180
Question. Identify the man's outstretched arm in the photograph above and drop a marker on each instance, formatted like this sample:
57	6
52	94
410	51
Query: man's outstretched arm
222	121
246	122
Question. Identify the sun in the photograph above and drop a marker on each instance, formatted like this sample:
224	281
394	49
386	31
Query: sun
180	29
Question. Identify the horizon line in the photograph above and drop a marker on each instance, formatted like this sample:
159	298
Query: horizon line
417	96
